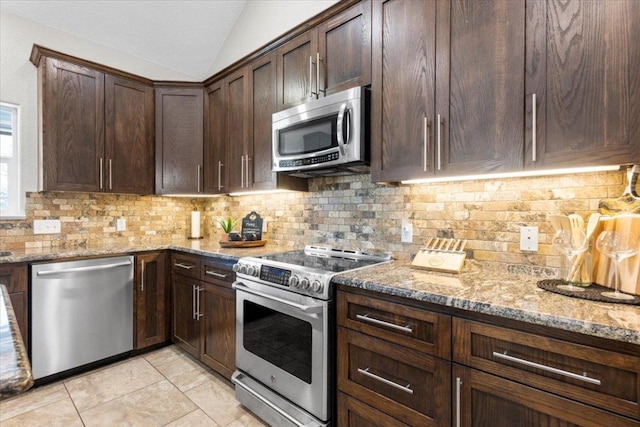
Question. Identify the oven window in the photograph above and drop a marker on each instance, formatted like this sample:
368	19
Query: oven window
280	339
309	137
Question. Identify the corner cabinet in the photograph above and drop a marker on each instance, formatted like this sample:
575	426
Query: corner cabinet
179	139
446	94
204	313
15	278
151	299
583	90
333	56
216	169
96	128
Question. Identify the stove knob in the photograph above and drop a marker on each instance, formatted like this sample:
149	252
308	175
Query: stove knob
242	269
304	283
236	267
294	281
251	270
316	286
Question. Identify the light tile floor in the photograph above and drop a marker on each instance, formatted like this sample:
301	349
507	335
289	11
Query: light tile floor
162	388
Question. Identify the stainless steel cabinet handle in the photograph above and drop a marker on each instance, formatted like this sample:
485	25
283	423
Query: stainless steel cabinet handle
199	167
220	165
101	171
142	276
185	266
311	92
110	174
366	318
193	302
534	125
80	269
242	172
247	172
439	157
458	387
214	274
318	86
304	308
425	143
198	314
366	372
236	381
583	377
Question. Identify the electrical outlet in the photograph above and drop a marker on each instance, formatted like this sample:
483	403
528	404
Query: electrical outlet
121	224
406	232
46	226
529	239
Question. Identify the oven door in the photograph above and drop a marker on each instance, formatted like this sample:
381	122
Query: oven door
282	341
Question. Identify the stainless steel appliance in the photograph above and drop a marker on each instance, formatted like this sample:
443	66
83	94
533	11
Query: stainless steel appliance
81	312
285	332
323	137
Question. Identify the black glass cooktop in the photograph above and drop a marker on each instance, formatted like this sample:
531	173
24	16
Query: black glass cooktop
333	264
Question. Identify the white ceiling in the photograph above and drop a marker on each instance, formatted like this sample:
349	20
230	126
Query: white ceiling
184	35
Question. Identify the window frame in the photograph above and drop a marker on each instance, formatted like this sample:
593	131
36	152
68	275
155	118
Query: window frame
13	165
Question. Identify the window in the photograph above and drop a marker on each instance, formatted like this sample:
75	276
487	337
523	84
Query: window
10	202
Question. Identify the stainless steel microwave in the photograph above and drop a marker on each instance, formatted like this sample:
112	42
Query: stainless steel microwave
323	137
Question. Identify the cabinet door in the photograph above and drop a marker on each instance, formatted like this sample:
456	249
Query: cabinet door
129	137
218	305
14	277
344	45
186	324
402	92
296	70
262	104
179	140
488	400
151	299
72	127
215	139
480	87
237	129
582	66
353	413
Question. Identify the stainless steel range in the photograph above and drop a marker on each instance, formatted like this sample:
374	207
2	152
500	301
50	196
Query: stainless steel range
285	331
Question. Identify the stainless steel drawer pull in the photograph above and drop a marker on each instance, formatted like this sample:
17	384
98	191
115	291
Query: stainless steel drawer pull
583	377
366	318
458	387
214	274
185	266
366	372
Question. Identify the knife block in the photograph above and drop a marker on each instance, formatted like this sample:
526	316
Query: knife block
432	259
603	267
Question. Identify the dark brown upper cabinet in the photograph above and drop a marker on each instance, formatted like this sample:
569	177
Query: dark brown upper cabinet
97	128
446	94
582	67
333	56
179	139
238	148
216	168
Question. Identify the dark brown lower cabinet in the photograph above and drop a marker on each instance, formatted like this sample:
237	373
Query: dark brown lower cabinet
151	300
354	413
204	311
491	401
14	277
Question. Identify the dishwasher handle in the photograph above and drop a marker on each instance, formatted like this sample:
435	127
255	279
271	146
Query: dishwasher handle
83	269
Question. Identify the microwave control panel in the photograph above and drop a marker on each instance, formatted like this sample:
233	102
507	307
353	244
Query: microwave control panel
309	161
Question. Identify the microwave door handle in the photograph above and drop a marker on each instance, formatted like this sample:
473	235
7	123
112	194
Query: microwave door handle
340	131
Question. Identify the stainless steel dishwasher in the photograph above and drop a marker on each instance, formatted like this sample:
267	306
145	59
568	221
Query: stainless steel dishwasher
81	312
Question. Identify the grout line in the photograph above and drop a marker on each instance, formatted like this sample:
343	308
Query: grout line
73	403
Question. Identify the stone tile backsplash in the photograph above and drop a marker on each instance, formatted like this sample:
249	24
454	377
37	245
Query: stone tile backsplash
349	212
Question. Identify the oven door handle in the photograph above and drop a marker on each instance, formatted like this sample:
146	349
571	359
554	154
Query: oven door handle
311	309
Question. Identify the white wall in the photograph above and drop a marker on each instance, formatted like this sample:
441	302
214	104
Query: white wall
262	21
19	80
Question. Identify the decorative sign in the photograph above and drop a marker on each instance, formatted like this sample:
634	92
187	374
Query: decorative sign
252	226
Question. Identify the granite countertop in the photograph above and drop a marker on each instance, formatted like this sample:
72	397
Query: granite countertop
15	370
503	294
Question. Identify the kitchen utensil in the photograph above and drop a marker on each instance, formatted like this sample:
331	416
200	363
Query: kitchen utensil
441	255
560	222
569	243
618	246
577	226
583	264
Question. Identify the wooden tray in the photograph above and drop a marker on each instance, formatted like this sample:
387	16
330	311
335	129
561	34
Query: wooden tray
243	244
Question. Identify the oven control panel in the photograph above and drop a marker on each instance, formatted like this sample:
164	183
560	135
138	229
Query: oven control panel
279	276
296	280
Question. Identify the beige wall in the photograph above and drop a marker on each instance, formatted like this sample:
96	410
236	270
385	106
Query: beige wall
349	212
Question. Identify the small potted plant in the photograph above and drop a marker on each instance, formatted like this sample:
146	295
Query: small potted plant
227	225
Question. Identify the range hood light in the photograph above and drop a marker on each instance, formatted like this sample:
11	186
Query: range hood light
513	174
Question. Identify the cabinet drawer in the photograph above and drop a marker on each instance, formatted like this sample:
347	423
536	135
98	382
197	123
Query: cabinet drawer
411	327
404	383
216	273
353	413
186	265
591	375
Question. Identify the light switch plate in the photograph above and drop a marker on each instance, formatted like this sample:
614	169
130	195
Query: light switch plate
406	232
121	224
46	226
529	239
